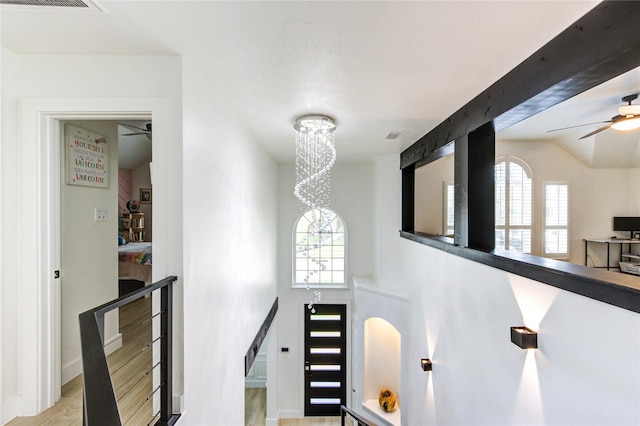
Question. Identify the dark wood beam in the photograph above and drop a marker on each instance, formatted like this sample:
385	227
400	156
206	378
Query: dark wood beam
475	189
598	47
408	199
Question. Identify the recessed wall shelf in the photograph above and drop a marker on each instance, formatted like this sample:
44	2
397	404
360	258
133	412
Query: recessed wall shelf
388	419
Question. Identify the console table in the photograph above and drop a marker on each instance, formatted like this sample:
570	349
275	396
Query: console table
609	242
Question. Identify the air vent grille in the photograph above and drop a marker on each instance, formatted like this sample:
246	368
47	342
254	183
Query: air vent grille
46	3
393	135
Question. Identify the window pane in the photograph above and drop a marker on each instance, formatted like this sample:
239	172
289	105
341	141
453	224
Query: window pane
519	196
300	276
556	219
319	249
557	205
325	317
324	334
500	240
449	209
520	240
450	204
501	192
513	198
325	384
555	241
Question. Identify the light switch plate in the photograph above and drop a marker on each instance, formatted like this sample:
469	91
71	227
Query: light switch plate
100	215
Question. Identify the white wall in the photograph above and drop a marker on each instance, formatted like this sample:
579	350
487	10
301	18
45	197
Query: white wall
89	251
459	313
10	234
387	213
352	199
429	198
73	85
230	208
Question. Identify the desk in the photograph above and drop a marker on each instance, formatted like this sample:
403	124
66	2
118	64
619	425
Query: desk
608	242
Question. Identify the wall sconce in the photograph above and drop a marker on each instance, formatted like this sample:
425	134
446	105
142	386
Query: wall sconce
524	337
426	364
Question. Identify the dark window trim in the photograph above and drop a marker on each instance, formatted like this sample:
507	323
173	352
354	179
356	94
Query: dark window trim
598	47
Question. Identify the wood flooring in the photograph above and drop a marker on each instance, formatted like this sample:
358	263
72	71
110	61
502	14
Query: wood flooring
312	421
255	406
130	372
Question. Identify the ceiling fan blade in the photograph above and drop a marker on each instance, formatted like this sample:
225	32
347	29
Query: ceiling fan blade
139	133
596	131
135	128
579	125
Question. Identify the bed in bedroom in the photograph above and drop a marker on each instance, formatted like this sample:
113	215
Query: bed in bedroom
134	261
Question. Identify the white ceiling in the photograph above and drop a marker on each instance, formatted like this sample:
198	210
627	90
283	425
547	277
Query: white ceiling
133	150
607	149
376	67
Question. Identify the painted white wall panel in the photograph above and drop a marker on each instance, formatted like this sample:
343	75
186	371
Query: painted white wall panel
89	252
230	206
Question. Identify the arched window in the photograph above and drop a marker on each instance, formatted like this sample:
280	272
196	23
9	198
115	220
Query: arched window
513	205
319	250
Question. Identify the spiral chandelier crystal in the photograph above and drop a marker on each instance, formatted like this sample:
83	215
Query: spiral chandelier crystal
315	155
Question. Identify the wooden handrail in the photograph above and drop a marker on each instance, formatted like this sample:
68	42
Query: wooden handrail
99	401
344	410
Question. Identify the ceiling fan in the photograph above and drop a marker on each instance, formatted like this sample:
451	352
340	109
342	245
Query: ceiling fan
628	118
141	131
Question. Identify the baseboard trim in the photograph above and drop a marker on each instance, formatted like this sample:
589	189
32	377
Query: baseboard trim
72	369
290	414
9	409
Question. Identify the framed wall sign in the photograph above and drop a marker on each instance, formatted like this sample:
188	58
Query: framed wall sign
145	195
87	158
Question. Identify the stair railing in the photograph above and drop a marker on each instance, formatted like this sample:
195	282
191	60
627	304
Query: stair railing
361	421
100	406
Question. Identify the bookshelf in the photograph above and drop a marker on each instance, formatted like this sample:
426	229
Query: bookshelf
131	226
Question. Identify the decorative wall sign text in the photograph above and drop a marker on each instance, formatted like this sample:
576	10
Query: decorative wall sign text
87	158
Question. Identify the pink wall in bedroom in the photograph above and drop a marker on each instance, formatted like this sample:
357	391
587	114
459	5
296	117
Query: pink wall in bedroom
125	189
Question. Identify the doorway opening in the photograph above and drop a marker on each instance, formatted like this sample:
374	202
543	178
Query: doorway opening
94	199
39	319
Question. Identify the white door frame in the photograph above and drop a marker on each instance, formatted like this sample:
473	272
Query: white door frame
39	325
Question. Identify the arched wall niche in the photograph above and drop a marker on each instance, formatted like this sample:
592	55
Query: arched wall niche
382	360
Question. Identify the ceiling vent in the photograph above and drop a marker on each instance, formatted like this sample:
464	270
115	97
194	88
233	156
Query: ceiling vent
393	135
87	5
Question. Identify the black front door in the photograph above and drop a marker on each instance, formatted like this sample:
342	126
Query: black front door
325	360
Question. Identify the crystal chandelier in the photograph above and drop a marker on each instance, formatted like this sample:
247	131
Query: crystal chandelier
315	155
